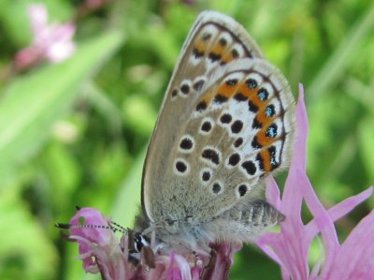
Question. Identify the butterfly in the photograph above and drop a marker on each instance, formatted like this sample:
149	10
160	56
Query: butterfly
225	124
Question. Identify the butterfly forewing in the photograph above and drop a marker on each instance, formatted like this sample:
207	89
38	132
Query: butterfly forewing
212	36
225	123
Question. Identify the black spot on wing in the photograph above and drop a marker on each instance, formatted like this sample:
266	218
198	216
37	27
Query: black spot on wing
201	106
237	126
226	118
186	144
234	159
211	155
206	126
249	167
181	166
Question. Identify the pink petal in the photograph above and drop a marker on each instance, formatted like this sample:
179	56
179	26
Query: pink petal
94	233
289	248
173	272
60	51
299	155
292	196
341	209
324	222
223	260
291	245
355	259
273	192
266	242
38	16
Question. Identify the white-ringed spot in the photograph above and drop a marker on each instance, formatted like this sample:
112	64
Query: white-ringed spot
217	187
181	167
211	155
242	189
206	126
206	175
186	144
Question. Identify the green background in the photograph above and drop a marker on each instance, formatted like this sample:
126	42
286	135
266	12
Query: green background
75	133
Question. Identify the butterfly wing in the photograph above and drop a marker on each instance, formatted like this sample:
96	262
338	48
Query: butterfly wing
225	123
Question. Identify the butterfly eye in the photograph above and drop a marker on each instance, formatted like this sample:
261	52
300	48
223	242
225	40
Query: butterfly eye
140	241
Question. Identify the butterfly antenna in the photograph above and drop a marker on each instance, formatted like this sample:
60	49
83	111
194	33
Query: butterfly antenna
90	226
117	227
113	226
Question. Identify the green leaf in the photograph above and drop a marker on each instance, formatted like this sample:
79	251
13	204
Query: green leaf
128	201
26	251
33	103
339	61
366	140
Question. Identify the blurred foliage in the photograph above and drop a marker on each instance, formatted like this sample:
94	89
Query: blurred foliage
75	133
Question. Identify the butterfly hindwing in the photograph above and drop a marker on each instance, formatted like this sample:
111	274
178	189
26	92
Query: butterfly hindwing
240	134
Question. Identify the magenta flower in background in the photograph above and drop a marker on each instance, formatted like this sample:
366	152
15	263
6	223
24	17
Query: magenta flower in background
101	251
51	41
354	259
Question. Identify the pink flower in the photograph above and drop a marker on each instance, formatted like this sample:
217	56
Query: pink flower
354	259
51	41
101	252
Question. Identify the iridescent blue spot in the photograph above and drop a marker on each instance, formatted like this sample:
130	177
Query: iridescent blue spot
263	94
273	162
270	111
272	131
251	83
